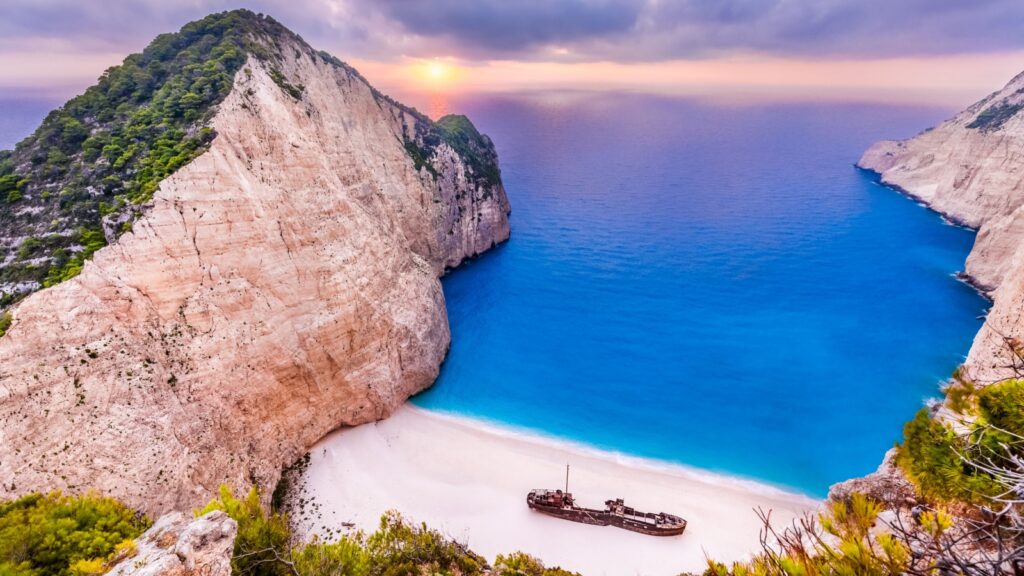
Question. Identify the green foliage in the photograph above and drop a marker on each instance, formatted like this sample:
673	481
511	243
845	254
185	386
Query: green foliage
263	540
107	150
1002	406
475	148
93	567
933	455
960	393
458	132
398	548
58	535
993	117
848	547
100	158
65	268
265	547
5	322
28	246
346	557
420	157
522	564
929	457
11	185
295	91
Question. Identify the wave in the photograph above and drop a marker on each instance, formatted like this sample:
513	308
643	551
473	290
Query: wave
538	438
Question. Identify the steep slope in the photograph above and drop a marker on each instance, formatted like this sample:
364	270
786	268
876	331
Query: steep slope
279	285
971	168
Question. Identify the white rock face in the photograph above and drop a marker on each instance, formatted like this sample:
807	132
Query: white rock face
177	545
281	285
974	175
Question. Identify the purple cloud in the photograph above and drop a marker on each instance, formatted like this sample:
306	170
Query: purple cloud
617	30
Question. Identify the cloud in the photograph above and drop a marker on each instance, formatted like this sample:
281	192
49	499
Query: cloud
828	28
552	30
500	28
655	30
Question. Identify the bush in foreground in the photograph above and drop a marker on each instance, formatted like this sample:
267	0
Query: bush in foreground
266	547
55	534
968	468
960	461
839	541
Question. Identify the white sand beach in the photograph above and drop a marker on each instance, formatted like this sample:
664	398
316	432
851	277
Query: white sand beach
469	480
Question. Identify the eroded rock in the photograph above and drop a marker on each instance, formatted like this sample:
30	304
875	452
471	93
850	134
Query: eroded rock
177	545
971	168
281	285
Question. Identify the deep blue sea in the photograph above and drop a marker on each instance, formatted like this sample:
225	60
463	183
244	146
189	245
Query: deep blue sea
716	286
710	285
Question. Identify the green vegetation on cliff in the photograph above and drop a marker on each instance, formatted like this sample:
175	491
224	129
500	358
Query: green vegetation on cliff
967	516
265	547
5	322
993	117
954	461
459	133
58	535
842	540
78	181
81	179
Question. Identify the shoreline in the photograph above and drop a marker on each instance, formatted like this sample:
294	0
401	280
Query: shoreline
948	219
468	478
514	433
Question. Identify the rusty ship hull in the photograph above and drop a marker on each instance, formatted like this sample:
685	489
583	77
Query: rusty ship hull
561	505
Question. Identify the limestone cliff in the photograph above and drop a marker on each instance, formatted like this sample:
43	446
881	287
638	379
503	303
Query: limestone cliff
280	285
180	546
971	168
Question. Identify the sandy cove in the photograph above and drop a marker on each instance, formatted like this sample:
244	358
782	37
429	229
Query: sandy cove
469	479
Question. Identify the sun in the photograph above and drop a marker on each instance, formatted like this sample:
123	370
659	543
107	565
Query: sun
435	74
437	70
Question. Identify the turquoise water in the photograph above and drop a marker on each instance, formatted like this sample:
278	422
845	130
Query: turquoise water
714	286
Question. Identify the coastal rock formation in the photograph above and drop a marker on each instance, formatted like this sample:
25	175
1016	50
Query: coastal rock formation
180	546
280	285
971	169
888	484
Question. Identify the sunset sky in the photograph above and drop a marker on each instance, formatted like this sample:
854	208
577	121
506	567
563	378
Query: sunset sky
946	52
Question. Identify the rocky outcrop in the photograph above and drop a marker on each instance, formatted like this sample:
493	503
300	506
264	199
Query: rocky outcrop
888	484
282	284
180	546
971	168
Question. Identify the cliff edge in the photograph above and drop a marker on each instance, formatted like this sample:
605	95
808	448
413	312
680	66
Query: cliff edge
971	168
281	284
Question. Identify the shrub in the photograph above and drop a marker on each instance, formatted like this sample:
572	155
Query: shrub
108	149
937	459
993	117
840	541
5	322
66	268
1002	406
93	567
58	535
346	557
929	456
400	548
265	547
263	544
295	91
522	564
